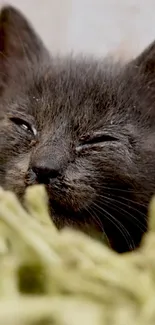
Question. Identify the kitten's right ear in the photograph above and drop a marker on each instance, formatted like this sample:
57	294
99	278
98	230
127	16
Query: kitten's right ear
19	45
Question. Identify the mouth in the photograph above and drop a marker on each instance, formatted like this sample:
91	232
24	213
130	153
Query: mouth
62	215
67	211
81	220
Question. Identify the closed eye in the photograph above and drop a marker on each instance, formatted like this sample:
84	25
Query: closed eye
97	139
24	125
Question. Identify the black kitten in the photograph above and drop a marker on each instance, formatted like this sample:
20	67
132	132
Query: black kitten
83	127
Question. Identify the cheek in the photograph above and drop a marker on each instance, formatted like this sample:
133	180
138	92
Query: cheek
15	172
81	196
12	141
15	153
81	191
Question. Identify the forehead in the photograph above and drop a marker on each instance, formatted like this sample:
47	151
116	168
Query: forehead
72	92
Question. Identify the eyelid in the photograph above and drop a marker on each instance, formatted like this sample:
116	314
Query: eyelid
19	121
96	138
34	130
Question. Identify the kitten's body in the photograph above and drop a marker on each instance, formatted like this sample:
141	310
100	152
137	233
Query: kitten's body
95	142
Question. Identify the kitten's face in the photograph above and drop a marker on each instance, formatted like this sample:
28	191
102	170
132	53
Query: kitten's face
79	127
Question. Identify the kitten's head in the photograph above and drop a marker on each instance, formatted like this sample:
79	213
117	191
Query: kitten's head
82	127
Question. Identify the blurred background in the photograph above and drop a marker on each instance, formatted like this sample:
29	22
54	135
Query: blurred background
122	27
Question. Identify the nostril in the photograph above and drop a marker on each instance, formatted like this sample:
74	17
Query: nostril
40	170
30	177
44	174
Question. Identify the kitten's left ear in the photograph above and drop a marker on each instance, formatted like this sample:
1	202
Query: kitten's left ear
18	42
145	62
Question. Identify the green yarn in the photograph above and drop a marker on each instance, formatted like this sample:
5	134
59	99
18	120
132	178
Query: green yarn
51	277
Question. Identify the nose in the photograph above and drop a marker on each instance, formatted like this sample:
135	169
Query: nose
44	174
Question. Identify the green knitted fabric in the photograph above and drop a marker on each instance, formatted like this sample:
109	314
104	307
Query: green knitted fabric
49	277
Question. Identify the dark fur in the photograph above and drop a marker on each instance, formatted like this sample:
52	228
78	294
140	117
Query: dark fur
101	185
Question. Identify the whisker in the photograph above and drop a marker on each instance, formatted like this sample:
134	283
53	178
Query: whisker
126	213
117	189
97	220
114	201
117	224
126	199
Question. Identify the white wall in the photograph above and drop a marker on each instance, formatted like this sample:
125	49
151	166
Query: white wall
96	26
